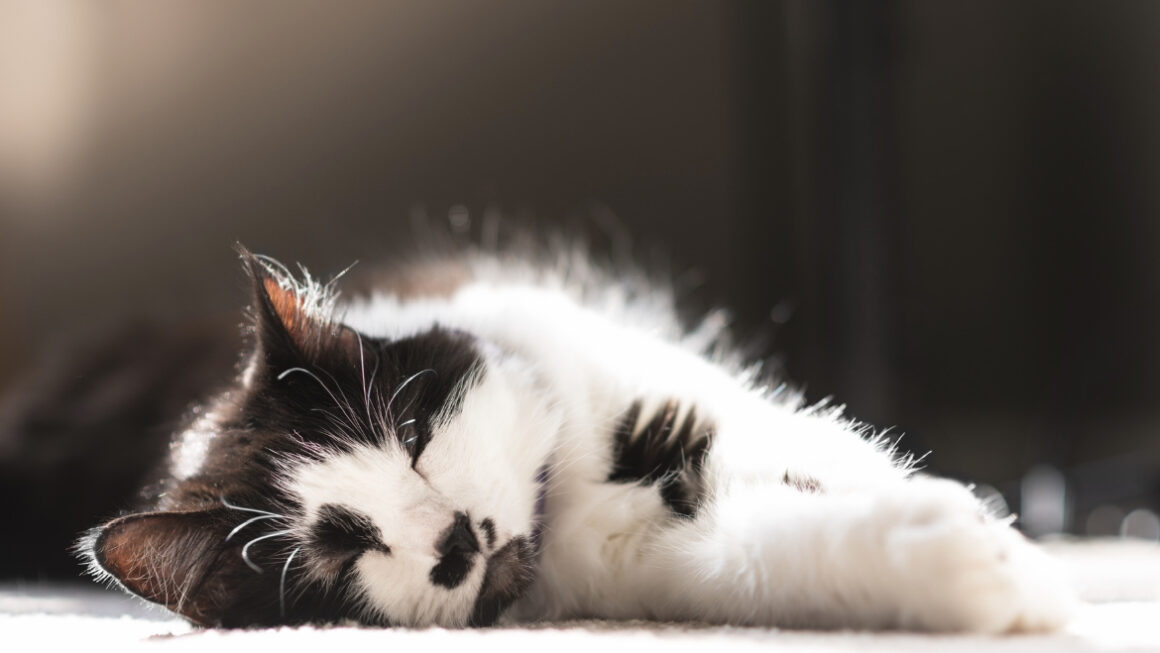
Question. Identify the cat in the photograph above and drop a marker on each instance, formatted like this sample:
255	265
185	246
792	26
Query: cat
491	439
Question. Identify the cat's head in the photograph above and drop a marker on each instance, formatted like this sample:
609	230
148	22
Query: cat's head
344	477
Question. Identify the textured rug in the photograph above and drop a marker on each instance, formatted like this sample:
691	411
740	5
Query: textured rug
1119	581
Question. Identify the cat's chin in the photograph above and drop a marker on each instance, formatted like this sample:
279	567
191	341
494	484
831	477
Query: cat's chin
510	571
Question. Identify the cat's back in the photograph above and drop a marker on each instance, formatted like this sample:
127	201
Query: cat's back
570	316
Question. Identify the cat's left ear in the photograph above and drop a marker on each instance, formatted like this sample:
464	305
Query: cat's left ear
292	320
186	562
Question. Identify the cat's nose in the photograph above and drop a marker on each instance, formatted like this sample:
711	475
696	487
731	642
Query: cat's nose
459	537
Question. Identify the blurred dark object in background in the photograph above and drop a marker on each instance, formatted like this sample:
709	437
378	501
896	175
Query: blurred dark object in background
945	214
81	434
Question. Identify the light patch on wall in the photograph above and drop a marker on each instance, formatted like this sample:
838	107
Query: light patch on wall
47	50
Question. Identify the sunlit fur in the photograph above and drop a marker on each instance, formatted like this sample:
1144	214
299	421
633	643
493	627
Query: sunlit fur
799	516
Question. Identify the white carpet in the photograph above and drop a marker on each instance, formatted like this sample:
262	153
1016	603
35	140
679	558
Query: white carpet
1120	581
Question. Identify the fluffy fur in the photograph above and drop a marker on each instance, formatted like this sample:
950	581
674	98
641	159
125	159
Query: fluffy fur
507	439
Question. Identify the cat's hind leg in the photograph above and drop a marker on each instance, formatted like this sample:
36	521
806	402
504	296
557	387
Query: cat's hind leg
953	567
916	554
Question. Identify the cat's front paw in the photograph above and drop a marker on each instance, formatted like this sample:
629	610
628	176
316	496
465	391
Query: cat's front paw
960	570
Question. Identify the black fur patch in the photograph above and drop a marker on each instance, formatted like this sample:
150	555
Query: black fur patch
339	535
666	451
341	529
396	389
457	548
509	574
488	527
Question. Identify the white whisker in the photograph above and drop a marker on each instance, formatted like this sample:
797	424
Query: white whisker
270	261
404	384
244	509
346	406
365	383
246	548
341	406
282	583
311	375
334	280
248	522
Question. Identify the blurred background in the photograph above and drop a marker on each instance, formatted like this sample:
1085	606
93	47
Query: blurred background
944	214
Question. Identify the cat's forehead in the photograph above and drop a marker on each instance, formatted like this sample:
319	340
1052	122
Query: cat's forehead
371	364
373	384
370	394
447	447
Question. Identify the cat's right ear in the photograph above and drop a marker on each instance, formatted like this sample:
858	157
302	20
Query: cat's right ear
290	319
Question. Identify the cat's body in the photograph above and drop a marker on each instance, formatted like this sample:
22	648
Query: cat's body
532	442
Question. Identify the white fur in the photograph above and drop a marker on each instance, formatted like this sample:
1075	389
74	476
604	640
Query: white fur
566	354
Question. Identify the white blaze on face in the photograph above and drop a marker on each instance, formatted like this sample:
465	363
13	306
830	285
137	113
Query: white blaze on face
482	461
486	458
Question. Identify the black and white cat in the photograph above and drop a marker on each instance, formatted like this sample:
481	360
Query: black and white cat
491	438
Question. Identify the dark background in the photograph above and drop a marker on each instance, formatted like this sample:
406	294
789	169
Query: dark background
944	214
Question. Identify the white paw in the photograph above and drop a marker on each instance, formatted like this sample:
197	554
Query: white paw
959	570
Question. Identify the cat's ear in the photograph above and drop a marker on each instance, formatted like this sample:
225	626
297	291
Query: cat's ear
183	561
292	320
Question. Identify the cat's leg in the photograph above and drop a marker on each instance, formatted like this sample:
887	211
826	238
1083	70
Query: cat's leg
917	554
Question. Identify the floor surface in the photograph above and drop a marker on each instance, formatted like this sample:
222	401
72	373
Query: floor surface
1119	580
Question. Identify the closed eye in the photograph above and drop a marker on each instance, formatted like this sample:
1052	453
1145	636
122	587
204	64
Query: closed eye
413	440
411	444
339	534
